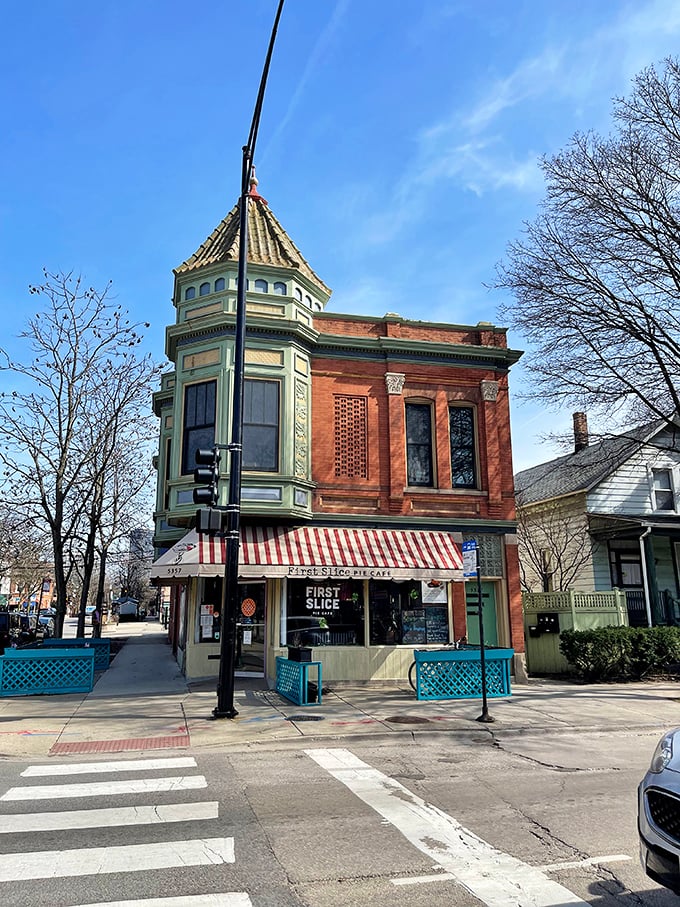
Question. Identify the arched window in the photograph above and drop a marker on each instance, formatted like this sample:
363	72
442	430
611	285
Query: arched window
190	293
298	293
219	284
261	286
204	289
247	282
280	288
308	300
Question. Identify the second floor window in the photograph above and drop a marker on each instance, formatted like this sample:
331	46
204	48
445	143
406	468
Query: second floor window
199	421
463	455
419	444
663	489
261	425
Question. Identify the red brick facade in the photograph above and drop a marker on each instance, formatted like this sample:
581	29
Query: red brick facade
380	491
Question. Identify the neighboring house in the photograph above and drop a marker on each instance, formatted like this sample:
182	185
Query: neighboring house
372	447
606	516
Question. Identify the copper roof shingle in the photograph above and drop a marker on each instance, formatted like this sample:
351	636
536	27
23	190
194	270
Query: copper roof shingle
268	243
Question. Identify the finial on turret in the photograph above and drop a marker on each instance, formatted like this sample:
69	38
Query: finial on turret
253	187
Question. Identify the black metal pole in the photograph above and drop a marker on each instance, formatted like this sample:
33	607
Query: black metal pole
485	717
230	596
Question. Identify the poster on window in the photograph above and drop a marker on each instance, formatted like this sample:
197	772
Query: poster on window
433	592
437	624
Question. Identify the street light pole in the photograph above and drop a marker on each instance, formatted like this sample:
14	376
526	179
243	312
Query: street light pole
230	597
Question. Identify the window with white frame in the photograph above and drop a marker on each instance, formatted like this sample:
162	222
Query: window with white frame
662	489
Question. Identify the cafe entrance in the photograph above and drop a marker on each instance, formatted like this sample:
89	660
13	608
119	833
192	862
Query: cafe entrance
250	630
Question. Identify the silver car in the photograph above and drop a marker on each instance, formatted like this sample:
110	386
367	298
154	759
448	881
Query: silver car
659	814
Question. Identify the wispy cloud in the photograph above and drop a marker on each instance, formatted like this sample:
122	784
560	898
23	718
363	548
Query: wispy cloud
313	60
475	148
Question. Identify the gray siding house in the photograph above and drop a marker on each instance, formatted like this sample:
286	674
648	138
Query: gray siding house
607	516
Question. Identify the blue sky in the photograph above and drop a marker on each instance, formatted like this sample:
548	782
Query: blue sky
398	144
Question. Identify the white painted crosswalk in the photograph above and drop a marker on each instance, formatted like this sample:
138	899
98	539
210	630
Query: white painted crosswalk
111	858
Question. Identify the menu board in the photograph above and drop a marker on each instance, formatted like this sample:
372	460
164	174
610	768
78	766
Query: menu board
437	624
413	624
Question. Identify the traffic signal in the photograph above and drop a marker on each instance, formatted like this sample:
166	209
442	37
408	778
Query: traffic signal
207	474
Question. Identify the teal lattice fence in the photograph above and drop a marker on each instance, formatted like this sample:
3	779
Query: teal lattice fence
25	672
457	673
292	680
102	648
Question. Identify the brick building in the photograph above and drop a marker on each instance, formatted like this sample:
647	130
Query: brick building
373	447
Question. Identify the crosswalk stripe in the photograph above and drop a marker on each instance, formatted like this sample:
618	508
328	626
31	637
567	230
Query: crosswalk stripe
16	867
227	899
105	788
493	877
104	818
130	765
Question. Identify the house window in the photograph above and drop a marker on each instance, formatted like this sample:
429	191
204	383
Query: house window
662	483
625	564
280	288
261	425
190	293
199	421
463	454
351	436
166	475
204	289
298	293
219	284
261	286
419	444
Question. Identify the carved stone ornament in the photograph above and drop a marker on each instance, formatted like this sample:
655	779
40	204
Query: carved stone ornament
489	391
394	381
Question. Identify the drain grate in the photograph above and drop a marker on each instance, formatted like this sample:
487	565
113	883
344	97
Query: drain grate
408	719
305	718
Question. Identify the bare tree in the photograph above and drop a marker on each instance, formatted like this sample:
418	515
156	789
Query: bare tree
58	425
554	545
596	277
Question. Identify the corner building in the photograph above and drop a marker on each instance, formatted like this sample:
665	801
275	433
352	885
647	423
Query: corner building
373	447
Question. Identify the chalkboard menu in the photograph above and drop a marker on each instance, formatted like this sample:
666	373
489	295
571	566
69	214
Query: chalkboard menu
437	624
413	625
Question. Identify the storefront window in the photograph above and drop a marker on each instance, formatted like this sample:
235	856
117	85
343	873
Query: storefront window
208	611
409	613
325	614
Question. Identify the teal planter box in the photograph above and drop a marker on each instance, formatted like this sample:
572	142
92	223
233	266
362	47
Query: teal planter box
101	648
27	672
457	673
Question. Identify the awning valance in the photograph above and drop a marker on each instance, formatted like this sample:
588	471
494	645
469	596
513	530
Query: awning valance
316	552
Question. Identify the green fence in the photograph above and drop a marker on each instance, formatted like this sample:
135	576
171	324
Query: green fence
546	614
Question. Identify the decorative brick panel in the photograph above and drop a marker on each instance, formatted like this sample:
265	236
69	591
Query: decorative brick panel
351	437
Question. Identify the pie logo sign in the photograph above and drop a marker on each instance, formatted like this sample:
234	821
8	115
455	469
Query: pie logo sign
248	607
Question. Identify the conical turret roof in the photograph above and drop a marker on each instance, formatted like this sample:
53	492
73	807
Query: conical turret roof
268	242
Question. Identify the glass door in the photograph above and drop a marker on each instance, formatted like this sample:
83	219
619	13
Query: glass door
250	630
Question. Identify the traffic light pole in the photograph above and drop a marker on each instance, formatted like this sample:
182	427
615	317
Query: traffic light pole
230	595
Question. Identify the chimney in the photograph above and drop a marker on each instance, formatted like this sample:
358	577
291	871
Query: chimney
580	431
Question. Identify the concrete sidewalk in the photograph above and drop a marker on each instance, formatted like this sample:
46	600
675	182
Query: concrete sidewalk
142	702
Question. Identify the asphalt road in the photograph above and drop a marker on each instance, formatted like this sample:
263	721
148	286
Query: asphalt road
546	821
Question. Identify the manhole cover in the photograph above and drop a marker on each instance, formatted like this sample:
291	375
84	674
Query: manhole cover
408	719
305	718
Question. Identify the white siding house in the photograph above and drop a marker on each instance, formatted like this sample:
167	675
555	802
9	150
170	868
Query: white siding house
622	495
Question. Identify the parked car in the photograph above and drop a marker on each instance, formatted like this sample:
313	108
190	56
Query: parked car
659	814
46	624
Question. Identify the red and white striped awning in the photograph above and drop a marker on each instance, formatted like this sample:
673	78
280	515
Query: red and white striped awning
316	552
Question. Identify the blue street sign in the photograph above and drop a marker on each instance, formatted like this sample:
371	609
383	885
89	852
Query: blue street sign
470	558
